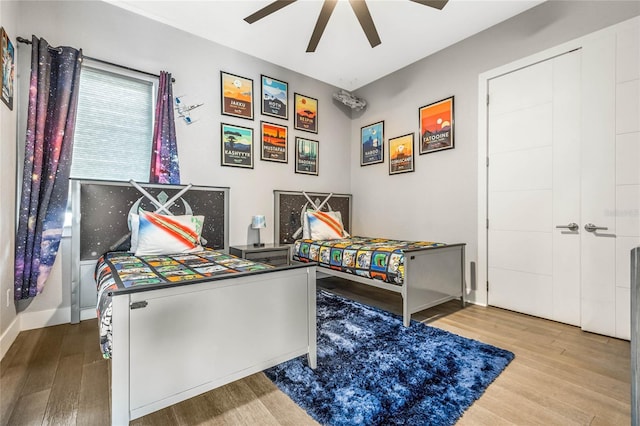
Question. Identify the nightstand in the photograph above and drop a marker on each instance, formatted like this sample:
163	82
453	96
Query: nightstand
270	254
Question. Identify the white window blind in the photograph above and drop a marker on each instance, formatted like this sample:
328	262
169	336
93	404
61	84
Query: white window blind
114	126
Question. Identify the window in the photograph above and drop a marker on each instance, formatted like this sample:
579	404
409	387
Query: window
114	125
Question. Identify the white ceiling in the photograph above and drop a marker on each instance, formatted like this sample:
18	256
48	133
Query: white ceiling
409	31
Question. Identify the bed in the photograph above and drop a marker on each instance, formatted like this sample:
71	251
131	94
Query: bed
424	273
206	320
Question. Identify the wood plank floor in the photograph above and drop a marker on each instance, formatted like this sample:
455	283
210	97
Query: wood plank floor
560	376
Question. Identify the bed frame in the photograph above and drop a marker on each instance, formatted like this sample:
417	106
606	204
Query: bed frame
173	342
99	215
433	275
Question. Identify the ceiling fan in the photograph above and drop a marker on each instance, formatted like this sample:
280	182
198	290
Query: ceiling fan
359	8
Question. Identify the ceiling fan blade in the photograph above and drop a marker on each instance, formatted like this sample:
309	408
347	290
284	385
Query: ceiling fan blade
268	10
366	22
437	4
321	24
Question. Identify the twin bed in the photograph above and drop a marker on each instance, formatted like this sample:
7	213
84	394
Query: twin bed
170	338
425	274
177	325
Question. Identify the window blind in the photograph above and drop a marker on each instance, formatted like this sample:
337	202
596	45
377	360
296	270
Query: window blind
114	127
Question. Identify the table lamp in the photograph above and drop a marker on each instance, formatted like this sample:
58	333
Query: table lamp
258	222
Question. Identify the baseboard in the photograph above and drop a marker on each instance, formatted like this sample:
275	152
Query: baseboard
40	319
9	336
86	314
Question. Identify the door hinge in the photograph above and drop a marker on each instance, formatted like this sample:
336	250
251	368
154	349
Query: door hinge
487	161
487	223
138	305
487	286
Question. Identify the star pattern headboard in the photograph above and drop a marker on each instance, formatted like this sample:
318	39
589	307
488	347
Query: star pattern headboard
289	206
100	213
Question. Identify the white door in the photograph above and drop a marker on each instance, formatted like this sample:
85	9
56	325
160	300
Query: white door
563	142
534	190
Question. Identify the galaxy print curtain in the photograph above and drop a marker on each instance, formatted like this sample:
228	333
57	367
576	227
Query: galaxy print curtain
164	153
53	101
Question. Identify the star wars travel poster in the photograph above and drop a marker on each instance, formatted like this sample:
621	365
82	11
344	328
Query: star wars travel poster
372	144
275	97
237	95
273	142
237	146
436	126
306	113
401	154
306	156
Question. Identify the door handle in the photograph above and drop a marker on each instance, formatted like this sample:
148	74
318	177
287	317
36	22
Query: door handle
590	227
571	227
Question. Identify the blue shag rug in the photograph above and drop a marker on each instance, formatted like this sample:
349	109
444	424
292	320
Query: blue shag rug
374	371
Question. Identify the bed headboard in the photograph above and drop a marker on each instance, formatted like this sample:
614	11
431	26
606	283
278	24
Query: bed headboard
100	211
289	206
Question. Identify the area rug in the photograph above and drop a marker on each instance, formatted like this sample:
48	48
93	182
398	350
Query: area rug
374	371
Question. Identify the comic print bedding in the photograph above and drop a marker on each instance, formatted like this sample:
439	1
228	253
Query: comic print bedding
376	258
118	270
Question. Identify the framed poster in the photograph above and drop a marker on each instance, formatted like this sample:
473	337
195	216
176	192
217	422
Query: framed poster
436	126
372	144
237	95
275	97
237	146
306	109
401	156
273	142
7	68
306	156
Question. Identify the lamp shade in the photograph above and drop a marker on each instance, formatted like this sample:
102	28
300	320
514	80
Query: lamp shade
258	222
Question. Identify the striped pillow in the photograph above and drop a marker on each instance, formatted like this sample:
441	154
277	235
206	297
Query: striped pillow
162	234
325	225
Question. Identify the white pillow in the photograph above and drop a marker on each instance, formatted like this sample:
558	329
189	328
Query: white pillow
161	234
324	225
134	222
306	233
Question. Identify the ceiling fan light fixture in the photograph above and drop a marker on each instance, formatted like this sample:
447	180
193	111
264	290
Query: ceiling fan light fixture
359	7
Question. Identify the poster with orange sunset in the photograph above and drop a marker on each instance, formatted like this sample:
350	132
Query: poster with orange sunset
436	126
306	113
237	95
401	154
274	142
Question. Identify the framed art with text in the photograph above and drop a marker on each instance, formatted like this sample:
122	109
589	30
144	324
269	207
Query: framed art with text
7	69
273	145
436	126
275	97
306	111
372	144
401	156
237	95
237	146
306	156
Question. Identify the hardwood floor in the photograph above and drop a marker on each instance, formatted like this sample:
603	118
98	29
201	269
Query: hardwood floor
560	375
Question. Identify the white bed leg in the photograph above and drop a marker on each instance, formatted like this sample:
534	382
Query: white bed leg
311	288
120	362
406	315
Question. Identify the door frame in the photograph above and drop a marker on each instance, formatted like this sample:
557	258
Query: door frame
480	294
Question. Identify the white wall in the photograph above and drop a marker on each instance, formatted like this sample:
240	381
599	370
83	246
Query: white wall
627	131
113	34
8	324
439	200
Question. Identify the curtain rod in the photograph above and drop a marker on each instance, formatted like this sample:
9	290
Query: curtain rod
173	80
